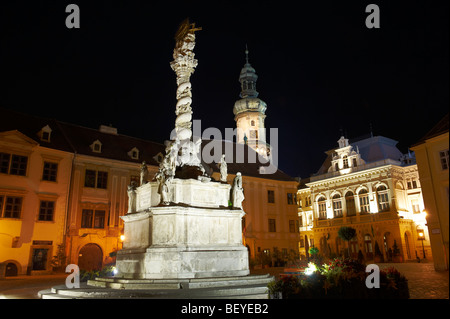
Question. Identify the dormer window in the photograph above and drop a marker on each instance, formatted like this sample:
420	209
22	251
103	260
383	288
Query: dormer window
134	153
44	133
345	161
96	147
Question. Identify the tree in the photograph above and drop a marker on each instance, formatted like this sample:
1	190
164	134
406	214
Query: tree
347	234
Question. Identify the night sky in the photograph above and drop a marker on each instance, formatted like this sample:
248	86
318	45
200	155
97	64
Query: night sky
321	70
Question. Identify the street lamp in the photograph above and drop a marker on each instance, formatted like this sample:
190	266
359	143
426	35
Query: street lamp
422	238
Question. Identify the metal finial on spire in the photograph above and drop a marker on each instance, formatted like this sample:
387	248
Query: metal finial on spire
246	53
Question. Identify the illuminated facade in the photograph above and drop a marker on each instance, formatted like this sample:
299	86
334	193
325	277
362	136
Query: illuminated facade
433	163
371	186
35	166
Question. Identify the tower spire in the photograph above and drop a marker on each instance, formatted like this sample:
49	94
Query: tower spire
246	54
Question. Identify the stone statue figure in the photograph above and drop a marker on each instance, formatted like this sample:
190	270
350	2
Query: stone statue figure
132	198
165	191
223	169
144	173
237	191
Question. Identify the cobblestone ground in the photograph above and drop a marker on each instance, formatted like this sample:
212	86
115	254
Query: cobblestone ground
423	281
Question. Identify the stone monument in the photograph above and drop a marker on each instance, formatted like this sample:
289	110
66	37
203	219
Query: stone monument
182	226
180	231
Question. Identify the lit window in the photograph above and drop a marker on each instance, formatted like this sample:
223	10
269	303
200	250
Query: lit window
444	159
364	201
322	208
345	160
383	199
337	206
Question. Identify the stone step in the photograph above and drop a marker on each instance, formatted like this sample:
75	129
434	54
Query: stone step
244	290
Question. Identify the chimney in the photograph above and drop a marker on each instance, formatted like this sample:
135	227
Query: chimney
108	129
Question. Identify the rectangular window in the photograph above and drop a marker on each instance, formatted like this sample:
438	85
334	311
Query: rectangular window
46	210
99	219
272	225
271	196
13	207
18	165
364	203
39	259
322	209
415	206
4	162
290	198
383	201
102	179
92	219
89	178
86	218
96	179
292	226
443	155
337	207
50	171
13	164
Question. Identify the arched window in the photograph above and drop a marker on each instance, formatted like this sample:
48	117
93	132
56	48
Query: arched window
364	201
322	205
383	198
252	123
337	206
350	203
368	245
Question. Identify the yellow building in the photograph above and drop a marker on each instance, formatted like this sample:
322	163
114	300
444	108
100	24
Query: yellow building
371	186
35	172
433	163
270	226
104	164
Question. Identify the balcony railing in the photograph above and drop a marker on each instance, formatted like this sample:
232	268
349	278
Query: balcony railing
355	219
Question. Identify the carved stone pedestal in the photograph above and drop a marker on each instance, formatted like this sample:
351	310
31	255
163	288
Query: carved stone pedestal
196	237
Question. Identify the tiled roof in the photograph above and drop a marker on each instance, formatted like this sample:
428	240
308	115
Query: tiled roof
77	139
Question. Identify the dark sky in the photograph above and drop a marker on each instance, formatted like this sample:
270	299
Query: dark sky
321	70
